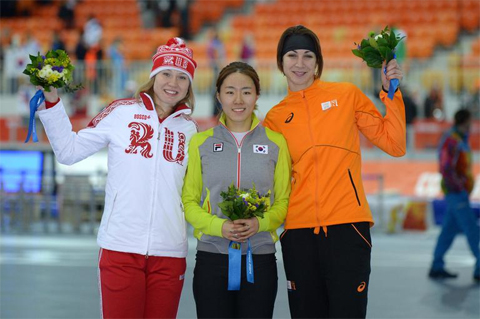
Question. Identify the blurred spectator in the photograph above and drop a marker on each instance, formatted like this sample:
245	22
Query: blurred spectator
247	52
9	9
149	11
118	67
57	42
81	48
410	114
17	57
165	10
411	108
183	7
92	32
455	157
31	45
433	105
93	67
216	57
66	13
24	8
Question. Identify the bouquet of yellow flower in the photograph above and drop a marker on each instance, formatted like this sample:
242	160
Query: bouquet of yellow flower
243	204
378	48
53	69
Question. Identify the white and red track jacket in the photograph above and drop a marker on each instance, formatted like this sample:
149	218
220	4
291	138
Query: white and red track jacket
147	160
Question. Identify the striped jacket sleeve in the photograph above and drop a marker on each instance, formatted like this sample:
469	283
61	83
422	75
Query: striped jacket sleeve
71	147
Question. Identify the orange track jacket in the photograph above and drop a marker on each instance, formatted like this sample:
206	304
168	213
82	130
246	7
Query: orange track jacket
321	125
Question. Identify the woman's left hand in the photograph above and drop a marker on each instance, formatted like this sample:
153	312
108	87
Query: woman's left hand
394	71
246	228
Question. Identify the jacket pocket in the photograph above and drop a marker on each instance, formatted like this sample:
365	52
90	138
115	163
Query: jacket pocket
206	203
363	231
354	188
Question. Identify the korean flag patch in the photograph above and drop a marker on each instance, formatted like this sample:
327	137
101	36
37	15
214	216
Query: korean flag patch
218	147
260	149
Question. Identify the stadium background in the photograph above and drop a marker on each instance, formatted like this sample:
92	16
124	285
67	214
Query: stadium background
441	53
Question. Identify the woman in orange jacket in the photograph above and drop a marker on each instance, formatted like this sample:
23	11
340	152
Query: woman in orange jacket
326	244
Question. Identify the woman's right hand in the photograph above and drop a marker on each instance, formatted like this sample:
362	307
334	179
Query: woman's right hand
230	231
51	96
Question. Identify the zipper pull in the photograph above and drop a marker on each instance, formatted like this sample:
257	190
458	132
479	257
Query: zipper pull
239	150
158	138
146	256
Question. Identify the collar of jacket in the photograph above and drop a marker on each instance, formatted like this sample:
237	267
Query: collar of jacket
255	120
312	87
149	105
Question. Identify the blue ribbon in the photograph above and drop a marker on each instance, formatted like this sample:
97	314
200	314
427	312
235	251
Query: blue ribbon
249	263
394	83
393	87
35	102
234	265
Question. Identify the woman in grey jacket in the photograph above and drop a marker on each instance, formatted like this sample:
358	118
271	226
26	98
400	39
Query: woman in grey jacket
240	151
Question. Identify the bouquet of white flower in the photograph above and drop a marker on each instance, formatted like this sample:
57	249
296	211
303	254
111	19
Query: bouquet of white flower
51	70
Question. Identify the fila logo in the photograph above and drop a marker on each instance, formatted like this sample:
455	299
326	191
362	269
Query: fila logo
218	147
260	149
289	118
329	104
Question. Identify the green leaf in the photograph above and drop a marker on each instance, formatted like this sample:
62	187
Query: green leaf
364	44
393	40
373	58
358	53
383	50
389	56
382	42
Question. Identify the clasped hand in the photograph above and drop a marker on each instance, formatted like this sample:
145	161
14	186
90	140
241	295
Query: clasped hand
240	230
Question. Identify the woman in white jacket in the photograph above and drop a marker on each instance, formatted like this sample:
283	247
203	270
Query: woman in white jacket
142	234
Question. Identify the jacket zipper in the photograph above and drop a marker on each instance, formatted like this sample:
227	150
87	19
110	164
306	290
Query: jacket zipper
239	152
154	187
314	158
354	188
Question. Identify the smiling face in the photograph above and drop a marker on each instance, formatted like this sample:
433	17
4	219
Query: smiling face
238	97
170	87
299	68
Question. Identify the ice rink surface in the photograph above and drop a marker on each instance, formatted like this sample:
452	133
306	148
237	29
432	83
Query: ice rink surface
55	276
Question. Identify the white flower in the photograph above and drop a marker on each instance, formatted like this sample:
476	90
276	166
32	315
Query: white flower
378	36
42	73
64	74
48	71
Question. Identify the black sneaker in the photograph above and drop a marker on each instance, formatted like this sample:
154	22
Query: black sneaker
441	274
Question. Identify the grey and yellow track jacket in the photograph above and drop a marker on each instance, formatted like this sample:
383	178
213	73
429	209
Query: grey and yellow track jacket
216	160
